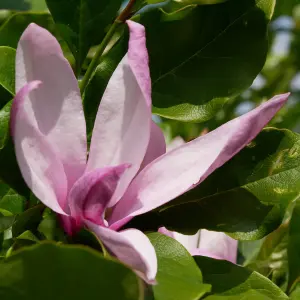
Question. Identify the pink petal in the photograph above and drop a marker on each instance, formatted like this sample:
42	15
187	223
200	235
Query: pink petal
217	245
56	106
122	127
185	167
156	146
190	242
165	231
70	225
131	247
42	170
199	252
91	193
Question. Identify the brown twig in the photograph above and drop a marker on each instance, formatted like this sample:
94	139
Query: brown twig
126	12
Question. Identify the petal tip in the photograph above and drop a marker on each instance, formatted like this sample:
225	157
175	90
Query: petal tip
135	26
32	28
282	98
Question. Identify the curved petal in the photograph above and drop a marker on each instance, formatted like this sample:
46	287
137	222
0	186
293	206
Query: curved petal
56	106
199	252
91	193
156	146
122	128
190	242
216	245
131	247
185	167
42	170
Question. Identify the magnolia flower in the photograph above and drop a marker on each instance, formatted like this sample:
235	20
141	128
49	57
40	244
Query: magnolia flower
213	244
127	171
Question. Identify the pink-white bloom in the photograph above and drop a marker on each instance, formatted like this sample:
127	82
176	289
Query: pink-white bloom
213	244
127	172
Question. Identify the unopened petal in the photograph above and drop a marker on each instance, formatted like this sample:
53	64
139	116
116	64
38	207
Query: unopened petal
92	192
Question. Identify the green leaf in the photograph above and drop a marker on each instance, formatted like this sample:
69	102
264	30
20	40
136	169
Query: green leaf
49	271
204	58
6	222
295	295
14	5
98	82
175	5
38	5
28	220
293	247
200	57
7	69
271	260
12	201
83	23
9	169
28	235
27	238
232	282
247	197
50	229
4	124
155	1
12	29
48	225
178	276
23	5
249	249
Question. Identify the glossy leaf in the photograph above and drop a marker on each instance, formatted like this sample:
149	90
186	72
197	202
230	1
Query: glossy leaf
9	170
27	238
23	5
271	259
232	282
246	197
295	295
29	220
249	250
216	54
178	276
7	68
50	271
196	71
11	200
12	29
294	246
4	124
83	23
96	86
174	5
38	5
6	222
